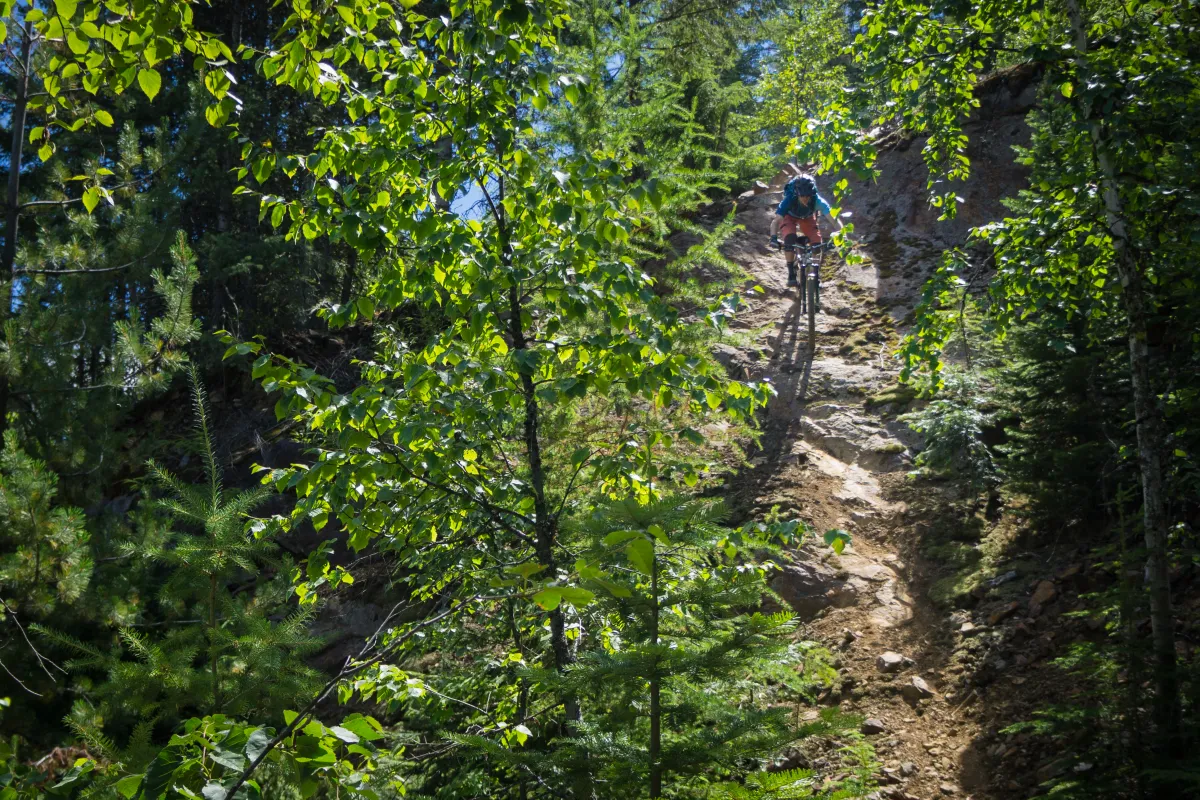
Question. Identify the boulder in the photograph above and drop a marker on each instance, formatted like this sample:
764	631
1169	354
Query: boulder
737	362
810	587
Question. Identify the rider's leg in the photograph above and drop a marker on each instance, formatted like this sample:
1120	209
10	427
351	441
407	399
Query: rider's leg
790	241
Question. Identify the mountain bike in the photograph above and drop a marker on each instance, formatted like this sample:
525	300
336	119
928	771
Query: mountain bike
809	258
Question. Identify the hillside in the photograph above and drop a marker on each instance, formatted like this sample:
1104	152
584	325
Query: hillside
403	400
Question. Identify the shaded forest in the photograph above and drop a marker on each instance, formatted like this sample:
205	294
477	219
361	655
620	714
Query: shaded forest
407	399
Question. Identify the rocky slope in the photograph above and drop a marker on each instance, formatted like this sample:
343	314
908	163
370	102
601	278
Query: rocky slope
935	682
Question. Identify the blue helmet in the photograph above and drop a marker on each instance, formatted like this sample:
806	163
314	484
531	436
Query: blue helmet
803	186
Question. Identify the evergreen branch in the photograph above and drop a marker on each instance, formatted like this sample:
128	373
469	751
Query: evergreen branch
88	270
203	433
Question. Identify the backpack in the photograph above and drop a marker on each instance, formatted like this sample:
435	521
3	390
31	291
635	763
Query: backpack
801	185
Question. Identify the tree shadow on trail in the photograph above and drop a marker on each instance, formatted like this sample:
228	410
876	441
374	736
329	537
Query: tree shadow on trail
790	371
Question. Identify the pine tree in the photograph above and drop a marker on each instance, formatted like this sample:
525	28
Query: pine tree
225	642
147	358
693	683
46	559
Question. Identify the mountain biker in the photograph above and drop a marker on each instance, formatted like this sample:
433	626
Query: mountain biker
799	211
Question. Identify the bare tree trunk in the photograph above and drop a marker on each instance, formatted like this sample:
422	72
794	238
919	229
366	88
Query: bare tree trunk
12	209
1150	421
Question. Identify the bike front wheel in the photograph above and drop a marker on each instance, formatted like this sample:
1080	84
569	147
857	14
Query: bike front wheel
812	291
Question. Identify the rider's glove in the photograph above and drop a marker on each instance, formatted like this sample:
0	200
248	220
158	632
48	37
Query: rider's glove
775	241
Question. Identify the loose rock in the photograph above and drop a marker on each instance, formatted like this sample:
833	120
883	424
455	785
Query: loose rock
916	690
890	662
872	726
1003	613
1044	593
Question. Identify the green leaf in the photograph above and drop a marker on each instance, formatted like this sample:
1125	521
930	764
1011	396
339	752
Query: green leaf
641	555
263	166
257	743
526	570
66	8
104	118
213	791
576	596
617	537
150	81
161	772
233	761
91	198
837	539
77	43
549	599
218	113
363	727
346	735
1067	89
128	786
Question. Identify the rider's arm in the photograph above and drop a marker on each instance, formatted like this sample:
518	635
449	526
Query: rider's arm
775	221
823	207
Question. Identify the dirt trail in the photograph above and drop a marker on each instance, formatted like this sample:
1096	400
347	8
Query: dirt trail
835	455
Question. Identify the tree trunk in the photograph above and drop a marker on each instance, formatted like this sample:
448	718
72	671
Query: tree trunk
545	533
12	210
212	641
348	276
545	529
655	691
1150	421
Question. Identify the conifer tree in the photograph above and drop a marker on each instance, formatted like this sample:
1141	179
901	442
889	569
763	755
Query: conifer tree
216	648
693	682
45	556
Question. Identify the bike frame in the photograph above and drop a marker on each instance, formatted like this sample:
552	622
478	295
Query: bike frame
810	258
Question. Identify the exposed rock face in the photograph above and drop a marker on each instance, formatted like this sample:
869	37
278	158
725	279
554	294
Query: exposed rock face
892	662
892	216
811	586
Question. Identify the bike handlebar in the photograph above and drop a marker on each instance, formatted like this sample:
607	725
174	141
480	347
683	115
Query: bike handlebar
811	248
